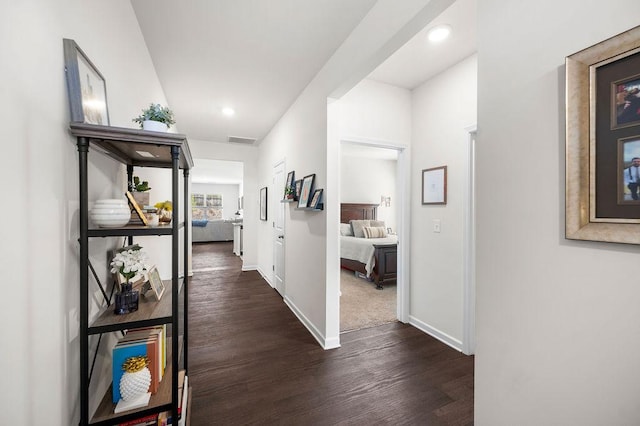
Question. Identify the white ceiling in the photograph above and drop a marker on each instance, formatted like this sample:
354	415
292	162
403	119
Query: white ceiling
419	60
257	56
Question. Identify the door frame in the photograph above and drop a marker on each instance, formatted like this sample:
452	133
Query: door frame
469	246
403	216
275	203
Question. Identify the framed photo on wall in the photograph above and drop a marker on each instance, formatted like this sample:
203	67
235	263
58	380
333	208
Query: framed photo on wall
434	185
263	203
290	181
298	186
315	200
603	141
86	87
305	190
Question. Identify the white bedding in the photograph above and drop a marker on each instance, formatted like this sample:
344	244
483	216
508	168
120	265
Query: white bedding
361	249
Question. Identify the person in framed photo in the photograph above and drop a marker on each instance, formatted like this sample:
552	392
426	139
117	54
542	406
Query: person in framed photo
632	177
628	104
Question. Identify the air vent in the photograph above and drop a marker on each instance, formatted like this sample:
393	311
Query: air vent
237	139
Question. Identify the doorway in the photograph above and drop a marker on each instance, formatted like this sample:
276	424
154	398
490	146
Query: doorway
374	173
278	227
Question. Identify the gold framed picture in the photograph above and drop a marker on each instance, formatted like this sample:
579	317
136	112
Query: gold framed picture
602	141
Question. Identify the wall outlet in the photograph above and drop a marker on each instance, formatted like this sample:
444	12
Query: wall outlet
436	225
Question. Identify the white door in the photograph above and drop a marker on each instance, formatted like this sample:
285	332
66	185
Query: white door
278	226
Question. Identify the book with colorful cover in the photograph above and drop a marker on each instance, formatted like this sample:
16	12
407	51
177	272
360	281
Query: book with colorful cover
151	419
139	343
120	354
161	333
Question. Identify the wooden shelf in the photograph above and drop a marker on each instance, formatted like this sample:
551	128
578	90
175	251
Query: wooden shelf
160	401
133	148
150	312
125	145
288	200
133	231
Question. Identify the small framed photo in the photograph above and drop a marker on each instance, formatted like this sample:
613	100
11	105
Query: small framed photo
290	181
305	191
315	200
625	110
263	203
134	205
156	283
298	186
86	87
434	185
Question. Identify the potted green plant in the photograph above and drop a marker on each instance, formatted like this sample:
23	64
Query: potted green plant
289	193
156	118
140	191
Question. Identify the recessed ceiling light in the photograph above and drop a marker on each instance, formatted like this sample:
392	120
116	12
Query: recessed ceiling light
439	33
228	111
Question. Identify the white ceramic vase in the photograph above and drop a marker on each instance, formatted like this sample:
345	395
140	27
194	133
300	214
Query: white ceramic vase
110	213
154	126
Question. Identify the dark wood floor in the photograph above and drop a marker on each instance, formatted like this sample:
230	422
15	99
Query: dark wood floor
252	362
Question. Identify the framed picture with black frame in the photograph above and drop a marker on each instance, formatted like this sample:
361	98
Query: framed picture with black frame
86	87
263	203
290	181
316	200
305	191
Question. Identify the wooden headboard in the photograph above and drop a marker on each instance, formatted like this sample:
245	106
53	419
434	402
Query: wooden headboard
355	211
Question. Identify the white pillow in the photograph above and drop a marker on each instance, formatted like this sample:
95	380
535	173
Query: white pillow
374	232
345	230
377	223
357	226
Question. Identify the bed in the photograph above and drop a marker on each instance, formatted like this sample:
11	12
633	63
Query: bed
375	258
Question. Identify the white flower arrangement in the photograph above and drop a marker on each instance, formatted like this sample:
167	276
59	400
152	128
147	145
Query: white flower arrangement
129	262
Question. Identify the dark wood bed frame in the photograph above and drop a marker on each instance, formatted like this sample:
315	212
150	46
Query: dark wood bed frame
386	267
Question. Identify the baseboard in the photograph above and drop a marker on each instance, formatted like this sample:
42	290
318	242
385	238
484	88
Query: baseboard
324	343
264	276
246	268
433	332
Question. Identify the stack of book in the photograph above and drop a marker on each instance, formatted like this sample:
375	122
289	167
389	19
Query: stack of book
164	418
149	342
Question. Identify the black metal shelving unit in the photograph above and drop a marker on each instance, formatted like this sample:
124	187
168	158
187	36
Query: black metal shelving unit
135	148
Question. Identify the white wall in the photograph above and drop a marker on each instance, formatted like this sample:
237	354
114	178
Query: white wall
308	137
41	350
364	180
557	320
442	108
229	192
248	155
378	114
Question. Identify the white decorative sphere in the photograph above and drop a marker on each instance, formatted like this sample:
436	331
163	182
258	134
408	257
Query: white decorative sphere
135	384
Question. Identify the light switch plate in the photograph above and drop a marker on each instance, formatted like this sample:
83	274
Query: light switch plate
436	225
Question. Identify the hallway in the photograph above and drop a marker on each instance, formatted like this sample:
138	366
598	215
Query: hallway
252	361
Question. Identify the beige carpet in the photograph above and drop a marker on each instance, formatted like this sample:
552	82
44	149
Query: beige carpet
362	306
